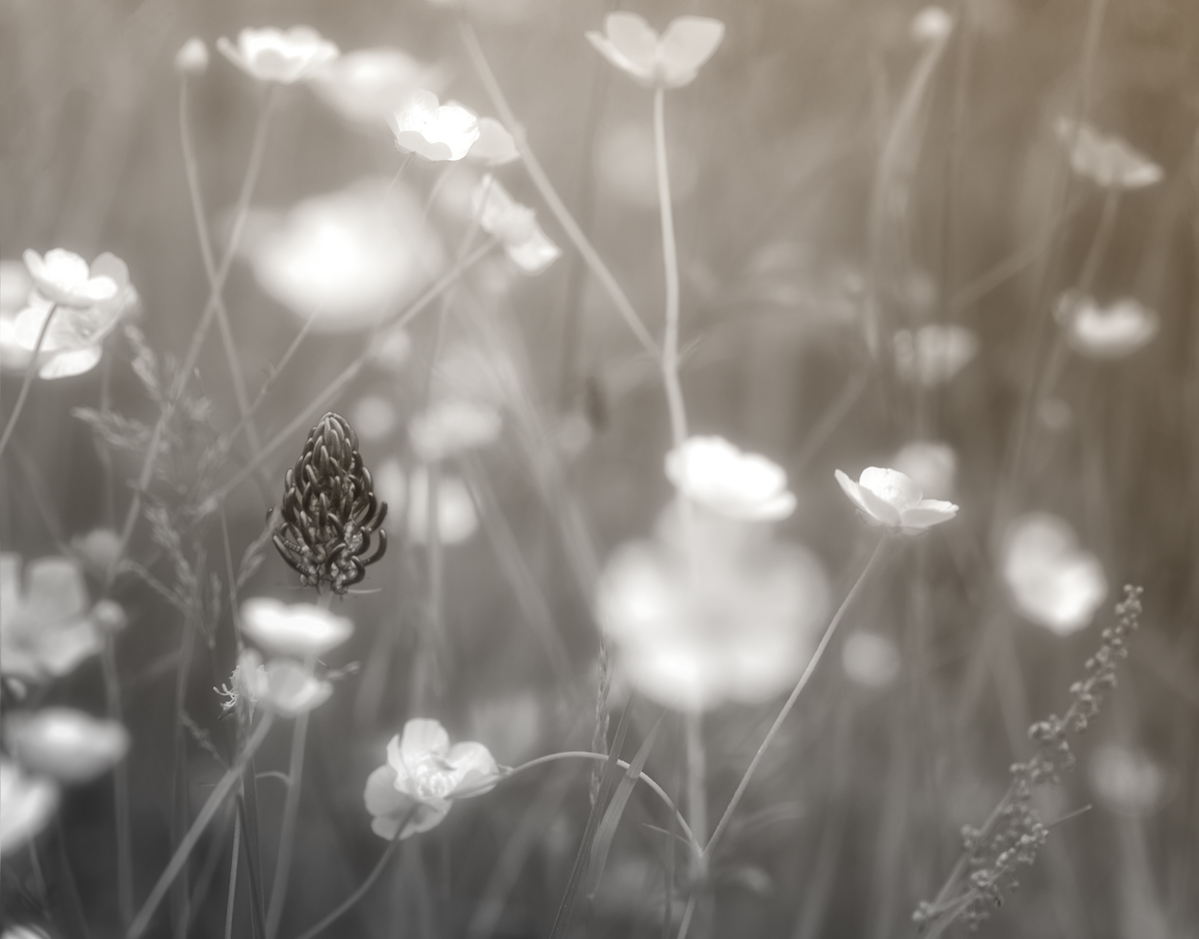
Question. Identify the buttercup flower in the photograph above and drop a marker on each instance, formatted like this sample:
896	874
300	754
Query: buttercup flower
423	775
671	60
515	225
699	627
26	805
1109	162
451	426
300	629
64	277
46	626
65	745
1053	582
889	498
192	57
933	354
1106	332
369	85
289	689
346	259
272	55
434	131
870	659
931	465
712	472
457	518
495	145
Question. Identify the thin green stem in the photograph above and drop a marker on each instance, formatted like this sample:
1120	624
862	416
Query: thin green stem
723	824
291	808
188	844
27	383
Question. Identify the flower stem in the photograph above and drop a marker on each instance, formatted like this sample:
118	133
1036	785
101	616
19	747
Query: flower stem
231	901
347	904
723	824
186	846
670	260
291	807
120	788
27	383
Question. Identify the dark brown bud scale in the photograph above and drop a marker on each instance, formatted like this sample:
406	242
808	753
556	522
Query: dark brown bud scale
329	511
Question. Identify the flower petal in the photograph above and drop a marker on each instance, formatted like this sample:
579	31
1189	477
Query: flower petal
927	513
689	41
422	736
634	40
478	769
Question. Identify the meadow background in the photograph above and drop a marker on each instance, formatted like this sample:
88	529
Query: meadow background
775	156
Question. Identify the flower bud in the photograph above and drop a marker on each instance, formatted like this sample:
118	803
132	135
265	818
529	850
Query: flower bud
192	57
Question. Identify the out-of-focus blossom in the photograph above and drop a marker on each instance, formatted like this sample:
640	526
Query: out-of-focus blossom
46	626
368	86
891	499
670	60
932	24
246	685
1053	582
346	259
515	225
933	354
15	288
65	745
98	550
1127	780
1106	332
392	350
457	519
291	689
870	659
24	932
715	474
273	55
300	629
930	464
374	417
435	131
73	339
625	163
495	145
192	57
1109	162
423	775
697	629
26	805
452	426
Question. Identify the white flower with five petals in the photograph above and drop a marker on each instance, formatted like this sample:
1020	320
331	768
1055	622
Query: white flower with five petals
515	225
64	744
437	132
1107	161
670	60
888	498
1106	332
301	629
63	277
713	473
273	55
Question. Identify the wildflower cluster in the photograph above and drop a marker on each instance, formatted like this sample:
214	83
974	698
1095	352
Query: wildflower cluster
1014	833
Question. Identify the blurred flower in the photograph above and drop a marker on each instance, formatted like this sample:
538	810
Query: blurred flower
63	277
1107	161
46	628
423	775
98	550
1053	582
671	60
696	629
300	629
1106	332
1127	780
26	804
457	519
625	163
931	25
369	85
246	685
192	57
515	225
451	426
65	745
889	498
291	689
24	932
15	288
495	145
715	474
870	659
934	353
434	131
374	416
272	55
931	465
392	349
346	259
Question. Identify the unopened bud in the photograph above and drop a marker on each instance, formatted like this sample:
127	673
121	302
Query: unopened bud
192	58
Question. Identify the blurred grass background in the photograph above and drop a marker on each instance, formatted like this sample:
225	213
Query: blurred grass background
780	138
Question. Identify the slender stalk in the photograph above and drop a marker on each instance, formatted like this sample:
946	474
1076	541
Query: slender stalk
231	901
188	844
346	905
549	194
27	383
670	260
723	824
291	807
120	788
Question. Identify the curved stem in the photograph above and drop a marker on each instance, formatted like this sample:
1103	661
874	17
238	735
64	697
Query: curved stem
358	894
27	383
723	824
215	799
